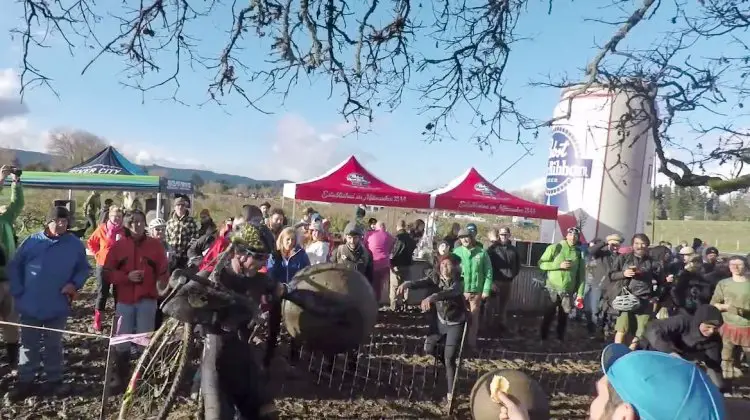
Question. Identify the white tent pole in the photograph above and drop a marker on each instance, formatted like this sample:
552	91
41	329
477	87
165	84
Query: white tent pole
159	213
70	194
294	212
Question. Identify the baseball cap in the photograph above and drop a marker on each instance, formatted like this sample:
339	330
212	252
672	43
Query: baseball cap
661	386
463	233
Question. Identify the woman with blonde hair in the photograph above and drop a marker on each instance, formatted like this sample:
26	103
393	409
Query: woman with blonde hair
317	248
283	264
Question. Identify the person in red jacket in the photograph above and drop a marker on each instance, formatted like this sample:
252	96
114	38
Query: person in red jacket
137	265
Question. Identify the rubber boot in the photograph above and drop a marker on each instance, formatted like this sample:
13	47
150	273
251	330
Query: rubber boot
97	321
12	351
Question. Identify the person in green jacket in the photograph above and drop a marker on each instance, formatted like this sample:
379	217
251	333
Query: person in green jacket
476	270
91	208
8	215
566	276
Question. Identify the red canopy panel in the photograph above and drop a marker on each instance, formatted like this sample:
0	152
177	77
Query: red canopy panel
350	183
472	193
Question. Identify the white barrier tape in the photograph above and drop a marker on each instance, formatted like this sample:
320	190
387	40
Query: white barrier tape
140	339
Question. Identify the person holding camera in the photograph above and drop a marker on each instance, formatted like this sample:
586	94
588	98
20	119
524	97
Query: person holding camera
8	215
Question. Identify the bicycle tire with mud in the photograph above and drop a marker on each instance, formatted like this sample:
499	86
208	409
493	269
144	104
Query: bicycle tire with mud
186	339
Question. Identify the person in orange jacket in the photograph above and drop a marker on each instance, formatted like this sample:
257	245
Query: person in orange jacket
99	244
137	265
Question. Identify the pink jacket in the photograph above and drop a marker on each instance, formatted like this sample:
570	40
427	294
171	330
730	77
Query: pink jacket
380	242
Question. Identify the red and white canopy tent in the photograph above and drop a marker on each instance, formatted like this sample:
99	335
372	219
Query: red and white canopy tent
472	193
351	183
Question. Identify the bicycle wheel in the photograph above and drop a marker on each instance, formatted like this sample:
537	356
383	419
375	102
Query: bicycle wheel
159	373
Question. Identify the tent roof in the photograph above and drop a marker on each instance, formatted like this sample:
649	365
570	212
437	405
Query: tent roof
68	181
471	192
108	161
349	182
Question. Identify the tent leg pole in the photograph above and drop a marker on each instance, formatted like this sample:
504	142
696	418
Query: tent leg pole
70	194
159	213
294	211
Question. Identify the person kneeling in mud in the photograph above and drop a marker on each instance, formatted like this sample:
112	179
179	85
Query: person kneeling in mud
447	312
694	338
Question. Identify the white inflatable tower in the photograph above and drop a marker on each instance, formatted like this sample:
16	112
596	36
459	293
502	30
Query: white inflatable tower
600	165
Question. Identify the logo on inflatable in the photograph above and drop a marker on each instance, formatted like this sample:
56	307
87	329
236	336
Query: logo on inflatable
357	180
484	189
565	163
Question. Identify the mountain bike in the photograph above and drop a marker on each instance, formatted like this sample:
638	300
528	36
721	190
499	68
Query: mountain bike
162	369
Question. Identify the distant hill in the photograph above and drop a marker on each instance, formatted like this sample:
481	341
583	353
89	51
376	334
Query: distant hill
25	158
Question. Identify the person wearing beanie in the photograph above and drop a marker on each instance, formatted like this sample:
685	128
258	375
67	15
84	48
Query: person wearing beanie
354	253
710	259
692	337
137	265
45	275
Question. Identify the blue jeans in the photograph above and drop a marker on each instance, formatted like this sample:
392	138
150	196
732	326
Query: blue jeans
32	342
135	319
591	301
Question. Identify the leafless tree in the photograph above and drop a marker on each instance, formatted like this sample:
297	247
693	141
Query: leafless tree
366	50
74	146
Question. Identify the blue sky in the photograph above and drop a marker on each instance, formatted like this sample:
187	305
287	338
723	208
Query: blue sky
302	137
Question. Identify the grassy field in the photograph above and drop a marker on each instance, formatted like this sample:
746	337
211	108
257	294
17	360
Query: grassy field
727	236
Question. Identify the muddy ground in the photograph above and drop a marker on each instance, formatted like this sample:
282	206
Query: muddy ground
392	380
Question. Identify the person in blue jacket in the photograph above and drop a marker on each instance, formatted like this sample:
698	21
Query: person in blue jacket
45	275
288	258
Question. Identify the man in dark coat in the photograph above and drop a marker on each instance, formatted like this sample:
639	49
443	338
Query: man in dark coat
506	264
603	256
695	338
402	255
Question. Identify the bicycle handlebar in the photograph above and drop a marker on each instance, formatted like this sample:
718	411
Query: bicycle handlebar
185	276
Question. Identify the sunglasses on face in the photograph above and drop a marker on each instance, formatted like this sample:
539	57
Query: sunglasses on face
259	256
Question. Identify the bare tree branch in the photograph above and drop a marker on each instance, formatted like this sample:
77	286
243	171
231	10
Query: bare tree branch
374	51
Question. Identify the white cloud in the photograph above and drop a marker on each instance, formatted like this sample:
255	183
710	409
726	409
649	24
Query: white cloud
299	150
296	150
536	185
14	125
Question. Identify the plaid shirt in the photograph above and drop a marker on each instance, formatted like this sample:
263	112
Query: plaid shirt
181	231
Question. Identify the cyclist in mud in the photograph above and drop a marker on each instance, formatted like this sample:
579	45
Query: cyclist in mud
231	379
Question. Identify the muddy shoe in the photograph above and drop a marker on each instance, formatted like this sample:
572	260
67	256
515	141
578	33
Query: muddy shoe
19	392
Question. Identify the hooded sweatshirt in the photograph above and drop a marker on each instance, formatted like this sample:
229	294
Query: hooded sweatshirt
681	334
42	266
